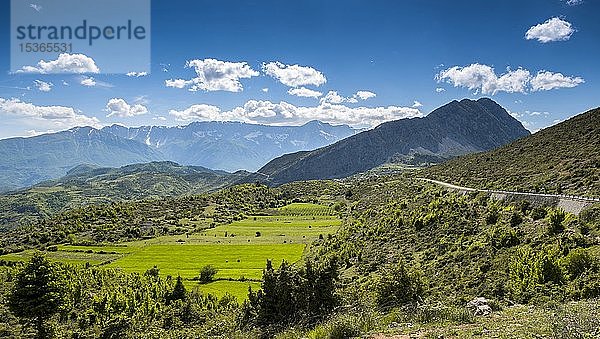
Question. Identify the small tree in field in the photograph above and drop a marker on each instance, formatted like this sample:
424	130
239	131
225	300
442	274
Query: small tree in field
38	293
207	273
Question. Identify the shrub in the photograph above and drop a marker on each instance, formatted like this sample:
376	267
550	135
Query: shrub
538	213
398	285
529	271
207	274
555	219
577	262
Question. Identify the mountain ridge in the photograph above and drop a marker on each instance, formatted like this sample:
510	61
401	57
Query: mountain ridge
454	129
229	146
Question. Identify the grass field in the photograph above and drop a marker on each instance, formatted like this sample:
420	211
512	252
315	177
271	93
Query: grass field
237	250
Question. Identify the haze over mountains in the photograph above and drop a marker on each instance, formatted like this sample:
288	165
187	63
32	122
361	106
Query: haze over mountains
226	146
454	129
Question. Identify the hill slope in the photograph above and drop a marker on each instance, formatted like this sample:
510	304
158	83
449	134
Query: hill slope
87	184
454	129
564	158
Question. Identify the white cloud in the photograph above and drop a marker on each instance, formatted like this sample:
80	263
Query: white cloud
36	7
574	2
215	75
120	108
483	78
45	117
545	81
161	118
266	89
65	83
177	83
553	29
66	63
294	75
417	104
304	92
364	95
136	74
91	82
88	81
440	90
198	112
283	113
43	86
332	97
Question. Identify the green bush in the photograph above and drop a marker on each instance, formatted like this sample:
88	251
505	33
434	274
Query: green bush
398	285
207	274
555	218
532	273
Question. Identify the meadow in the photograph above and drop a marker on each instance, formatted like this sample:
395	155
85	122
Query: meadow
238	250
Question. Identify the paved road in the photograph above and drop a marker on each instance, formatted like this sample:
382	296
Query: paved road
468	189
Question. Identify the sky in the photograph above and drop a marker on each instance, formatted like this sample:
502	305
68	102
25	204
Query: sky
351	62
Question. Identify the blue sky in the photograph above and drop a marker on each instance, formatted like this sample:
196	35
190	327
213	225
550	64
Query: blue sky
371	61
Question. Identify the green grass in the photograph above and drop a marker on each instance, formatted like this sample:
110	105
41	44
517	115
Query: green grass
73	258
305	209
238	289
187	260
282	236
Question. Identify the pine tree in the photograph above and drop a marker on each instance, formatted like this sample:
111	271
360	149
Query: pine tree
38	293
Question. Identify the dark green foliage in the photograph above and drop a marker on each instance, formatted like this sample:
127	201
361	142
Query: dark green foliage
555	218
179	292
292	295
207	274
38	293
398	285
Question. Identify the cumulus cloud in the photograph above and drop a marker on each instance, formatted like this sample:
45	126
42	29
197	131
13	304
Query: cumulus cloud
545	81
332	97
483	78
215	75
364	95
43	86
554	29
46	117
417	104
66	63
294	75
136	74
440	90
283	113
304	92
266	89
120	108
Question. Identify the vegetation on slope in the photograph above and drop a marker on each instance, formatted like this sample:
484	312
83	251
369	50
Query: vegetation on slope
564	158
87	185
407	252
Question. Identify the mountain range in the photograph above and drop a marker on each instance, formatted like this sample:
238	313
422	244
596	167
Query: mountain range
457	128
226	146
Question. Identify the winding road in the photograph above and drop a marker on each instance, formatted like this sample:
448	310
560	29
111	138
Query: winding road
543	195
